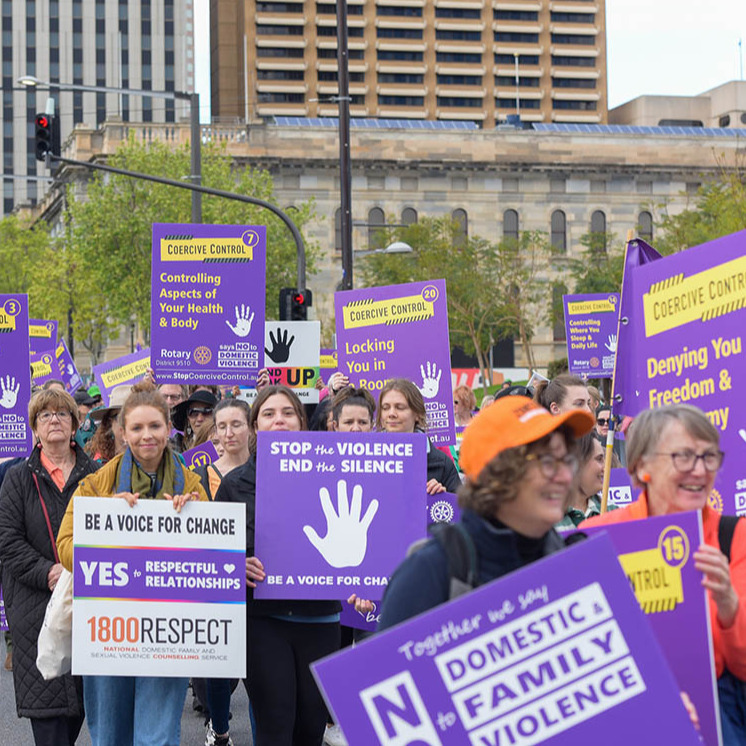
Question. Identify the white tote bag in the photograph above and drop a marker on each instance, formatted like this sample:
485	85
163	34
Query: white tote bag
55	644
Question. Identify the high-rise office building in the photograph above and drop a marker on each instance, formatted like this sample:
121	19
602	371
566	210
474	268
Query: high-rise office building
137	44
426	59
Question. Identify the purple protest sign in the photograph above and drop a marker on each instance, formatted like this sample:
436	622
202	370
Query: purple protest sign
621	490
380	334
685	345
656	554
591	328
200	455
66	369
557	653
128	369
357	620
43	367
362	493
156	590
15	379
443	508
207	318
42	335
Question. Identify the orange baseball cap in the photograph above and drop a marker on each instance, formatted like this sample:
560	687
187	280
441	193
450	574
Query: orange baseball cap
509	422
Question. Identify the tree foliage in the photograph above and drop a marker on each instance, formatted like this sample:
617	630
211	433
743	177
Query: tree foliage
106	250
492	288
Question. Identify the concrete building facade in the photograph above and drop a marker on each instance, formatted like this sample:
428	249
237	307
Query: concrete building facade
564	180
136	44
420	59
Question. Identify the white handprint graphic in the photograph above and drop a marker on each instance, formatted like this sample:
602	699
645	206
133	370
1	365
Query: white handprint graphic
431	381
9	392
611	344
243	321
346	539
70	369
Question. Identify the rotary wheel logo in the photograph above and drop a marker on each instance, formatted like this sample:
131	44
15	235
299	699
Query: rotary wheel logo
715	501
441	512
202	355
595	362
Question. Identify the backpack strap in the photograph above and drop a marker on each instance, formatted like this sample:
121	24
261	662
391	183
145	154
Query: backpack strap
726	530
461	555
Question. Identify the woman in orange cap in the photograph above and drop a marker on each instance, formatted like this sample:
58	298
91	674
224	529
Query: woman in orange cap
520	465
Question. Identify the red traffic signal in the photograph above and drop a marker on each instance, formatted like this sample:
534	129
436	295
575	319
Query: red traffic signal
294	304
43	134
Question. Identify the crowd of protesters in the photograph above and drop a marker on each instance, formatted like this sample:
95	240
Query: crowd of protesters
529	463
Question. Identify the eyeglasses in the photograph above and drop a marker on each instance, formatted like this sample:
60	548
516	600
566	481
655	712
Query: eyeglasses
62	415
686	461
549	464
194	412
602	421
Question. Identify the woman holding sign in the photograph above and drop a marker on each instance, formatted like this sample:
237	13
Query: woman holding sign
146	470
401	409
284	637
520	465
33	500
673	454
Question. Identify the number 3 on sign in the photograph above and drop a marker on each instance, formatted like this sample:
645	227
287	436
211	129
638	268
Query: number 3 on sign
673	544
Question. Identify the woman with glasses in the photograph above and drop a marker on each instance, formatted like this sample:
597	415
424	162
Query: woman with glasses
33	500
193	416
673	454
520	465
603	418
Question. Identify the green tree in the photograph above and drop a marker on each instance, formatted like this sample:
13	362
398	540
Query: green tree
491	287
109	229
23	251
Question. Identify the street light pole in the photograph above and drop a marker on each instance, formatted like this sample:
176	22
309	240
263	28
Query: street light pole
195	176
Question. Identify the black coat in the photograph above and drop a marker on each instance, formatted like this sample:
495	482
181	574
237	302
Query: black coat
27	555
440	467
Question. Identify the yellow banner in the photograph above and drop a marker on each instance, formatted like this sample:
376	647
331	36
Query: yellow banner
125	373
209	249
40	331
8	313
393	311
677	300
656	584
606	305
328	361
42	367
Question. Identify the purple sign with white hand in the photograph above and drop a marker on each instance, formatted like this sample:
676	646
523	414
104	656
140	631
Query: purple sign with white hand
557	653
656	555
336	512
42	335
15	377
207	318
683	343
381	334
591	329
128	369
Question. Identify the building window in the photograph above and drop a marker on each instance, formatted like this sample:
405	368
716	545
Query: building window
598	230
574	105
459	80
587	41
409	216
559	231
401	100
645	226
385	55
516	38
471	103
526	103
284	31
376	222
574	83
456	35
681	123
516	15
510	225
724	121
393	11
508	81
399	33
563	61
281	98
572	17
398	78
523	59
461	57
461	233
286	75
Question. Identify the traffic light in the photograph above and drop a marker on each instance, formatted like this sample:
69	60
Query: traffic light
44	126
294	304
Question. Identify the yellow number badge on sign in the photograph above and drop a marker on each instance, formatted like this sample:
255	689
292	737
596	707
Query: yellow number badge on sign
655	574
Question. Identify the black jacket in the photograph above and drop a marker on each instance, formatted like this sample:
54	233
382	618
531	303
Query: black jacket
27	555
240	487
440	467
422	581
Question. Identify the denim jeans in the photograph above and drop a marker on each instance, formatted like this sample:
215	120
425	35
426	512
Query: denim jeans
134	710
732	709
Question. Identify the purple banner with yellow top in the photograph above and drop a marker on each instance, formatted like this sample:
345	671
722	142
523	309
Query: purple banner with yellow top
207	318
200	455
683	344
42	335
400	331
128	369
656	555
591	329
